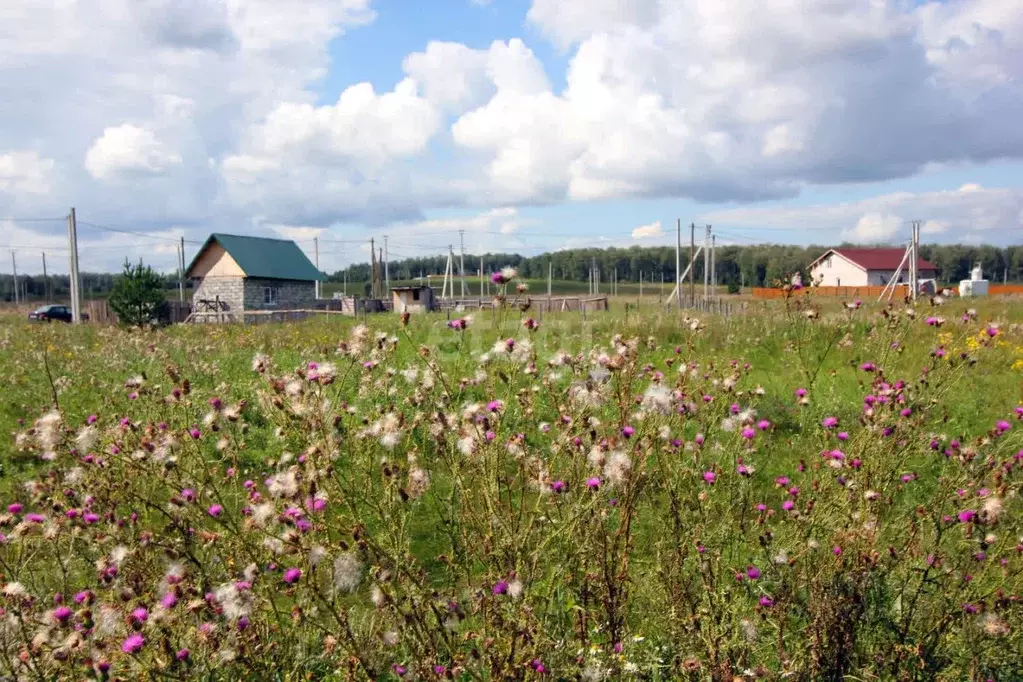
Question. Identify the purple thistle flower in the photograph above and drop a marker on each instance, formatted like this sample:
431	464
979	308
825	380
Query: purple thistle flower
133	644
699	439
868	367
90	517
748	433
62	614
399	670
15	508
558	486
439	670
194	433
970	608
628	431
182	654
836	550
709	477
967	515
763	425
215	510
35	518
91	419
766	602
829	422
83	597
752	572
500	587
242	624
800	392
140	615
1002	426
593	483
842	436
292	575
188	494
169	600
788	505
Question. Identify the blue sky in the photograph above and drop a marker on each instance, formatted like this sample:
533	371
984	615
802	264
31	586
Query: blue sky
526	125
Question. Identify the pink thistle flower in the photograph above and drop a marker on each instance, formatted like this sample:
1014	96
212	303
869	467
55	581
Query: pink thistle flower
836	550
292	575
628	431
558	486
593	483
188	494
169	600
829	422
133	644
709	477
905	412
62	614
788	505
800	392
215	510
83	597
1002	426
140	615
748	433
868	367
91	419
763	425
699	439
194	433
991	331
35	518
842	435
766	602
500	587
752	572
182	654
15	508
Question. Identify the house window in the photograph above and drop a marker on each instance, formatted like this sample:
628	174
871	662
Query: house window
415	294
271	295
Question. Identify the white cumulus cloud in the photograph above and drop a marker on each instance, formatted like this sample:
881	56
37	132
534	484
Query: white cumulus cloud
128	150
648	231
25	172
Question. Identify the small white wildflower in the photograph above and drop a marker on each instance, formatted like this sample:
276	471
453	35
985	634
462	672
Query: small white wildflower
316	555
16	590
515	589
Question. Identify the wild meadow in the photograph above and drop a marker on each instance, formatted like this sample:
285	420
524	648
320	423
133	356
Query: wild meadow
812	491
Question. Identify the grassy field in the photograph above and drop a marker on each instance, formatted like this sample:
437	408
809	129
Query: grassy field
808	492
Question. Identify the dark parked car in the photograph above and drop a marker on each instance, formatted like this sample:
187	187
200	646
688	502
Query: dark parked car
48	313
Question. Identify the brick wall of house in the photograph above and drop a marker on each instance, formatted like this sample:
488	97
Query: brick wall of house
231	291
291	295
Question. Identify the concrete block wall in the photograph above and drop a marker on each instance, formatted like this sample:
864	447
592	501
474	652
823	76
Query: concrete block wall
291	295
229	289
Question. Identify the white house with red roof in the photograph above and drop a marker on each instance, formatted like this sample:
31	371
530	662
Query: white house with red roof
844	267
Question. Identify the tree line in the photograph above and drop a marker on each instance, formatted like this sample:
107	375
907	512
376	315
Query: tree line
757	265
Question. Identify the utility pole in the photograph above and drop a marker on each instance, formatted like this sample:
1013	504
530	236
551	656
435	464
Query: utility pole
706	262
692	262
344	291
46	280
550	274
641	285
372	267
482	277
678	264
461	259
316	284
181	270
387	271
14	266
76	284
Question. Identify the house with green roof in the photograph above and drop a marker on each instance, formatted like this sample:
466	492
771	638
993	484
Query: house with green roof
236	274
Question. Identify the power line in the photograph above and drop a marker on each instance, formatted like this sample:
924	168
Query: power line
33	220
133	233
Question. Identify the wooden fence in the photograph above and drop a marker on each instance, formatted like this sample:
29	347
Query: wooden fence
540	304
99	311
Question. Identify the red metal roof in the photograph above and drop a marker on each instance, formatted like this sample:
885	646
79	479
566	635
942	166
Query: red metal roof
880	259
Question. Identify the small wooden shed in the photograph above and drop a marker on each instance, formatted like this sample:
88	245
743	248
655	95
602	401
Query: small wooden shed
413	299
236	274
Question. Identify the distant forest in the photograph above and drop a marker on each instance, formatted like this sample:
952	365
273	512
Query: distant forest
757	265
